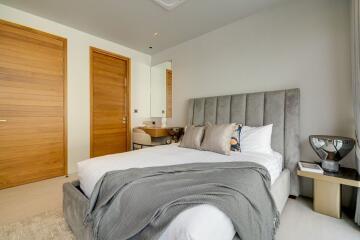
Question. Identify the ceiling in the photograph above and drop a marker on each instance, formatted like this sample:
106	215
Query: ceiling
133	23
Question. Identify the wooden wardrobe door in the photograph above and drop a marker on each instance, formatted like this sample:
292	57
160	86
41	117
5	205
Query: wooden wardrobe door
32	105
109	103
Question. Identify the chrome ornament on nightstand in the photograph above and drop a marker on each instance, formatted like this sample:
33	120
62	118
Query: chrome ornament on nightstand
331	149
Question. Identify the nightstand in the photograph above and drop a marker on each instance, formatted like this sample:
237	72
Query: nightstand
327	189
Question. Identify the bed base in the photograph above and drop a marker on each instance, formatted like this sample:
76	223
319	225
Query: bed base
75	203
280	190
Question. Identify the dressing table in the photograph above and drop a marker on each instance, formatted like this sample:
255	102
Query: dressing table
156	132
163	132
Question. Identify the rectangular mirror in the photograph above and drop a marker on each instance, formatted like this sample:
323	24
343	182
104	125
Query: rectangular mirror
161	90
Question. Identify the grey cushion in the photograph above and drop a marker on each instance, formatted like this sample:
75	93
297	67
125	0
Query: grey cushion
282	108
193	137
217	138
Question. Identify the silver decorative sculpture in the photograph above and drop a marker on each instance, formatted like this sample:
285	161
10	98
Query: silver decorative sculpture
331	149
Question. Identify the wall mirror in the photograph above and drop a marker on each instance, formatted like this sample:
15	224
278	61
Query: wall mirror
161	90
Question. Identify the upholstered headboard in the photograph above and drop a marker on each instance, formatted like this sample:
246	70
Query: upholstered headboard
282	108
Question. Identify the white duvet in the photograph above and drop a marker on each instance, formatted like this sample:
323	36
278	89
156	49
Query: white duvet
203	222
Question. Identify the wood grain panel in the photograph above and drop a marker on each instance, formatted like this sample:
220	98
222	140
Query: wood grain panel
329	178
327	198
110	103
33	143
169	94
156	132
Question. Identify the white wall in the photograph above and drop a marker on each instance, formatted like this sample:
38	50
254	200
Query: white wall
300	44
78	78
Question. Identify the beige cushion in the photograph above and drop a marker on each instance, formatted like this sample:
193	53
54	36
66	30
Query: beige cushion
217	138
192	137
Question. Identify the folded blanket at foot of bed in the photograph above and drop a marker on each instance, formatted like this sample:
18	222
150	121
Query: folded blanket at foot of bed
139	203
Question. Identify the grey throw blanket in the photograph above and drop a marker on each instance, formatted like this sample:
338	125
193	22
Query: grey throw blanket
139	203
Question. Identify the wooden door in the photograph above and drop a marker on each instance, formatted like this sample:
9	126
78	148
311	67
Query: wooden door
32	105
168	93
110	101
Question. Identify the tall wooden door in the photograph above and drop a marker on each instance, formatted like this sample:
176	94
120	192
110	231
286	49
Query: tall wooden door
110	101
32	105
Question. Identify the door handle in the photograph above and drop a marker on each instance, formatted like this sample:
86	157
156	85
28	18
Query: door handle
3	120
124	120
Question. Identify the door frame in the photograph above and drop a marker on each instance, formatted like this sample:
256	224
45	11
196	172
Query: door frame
172	94
93	50
65	82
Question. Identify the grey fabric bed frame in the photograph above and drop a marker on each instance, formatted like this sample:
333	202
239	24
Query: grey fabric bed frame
282	108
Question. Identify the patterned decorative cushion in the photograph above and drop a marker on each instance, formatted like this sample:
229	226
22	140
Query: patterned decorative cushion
235	139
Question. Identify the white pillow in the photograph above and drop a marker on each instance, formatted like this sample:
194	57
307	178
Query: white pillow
256	139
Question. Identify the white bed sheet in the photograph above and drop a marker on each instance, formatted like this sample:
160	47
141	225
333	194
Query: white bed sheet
91	170
197	223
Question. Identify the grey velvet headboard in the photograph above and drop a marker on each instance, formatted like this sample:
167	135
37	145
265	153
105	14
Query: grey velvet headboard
282	108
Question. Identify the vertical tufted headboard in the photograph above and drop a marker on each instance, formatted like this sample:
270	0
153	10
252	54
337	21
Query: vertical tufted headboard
281	108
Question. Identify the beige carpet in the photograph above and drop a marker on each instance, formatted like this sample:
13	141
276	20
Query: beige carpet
45	226
22	202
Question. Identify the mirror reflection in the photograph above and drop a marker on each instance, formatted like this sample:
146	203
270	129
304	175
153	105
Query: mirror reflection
161	90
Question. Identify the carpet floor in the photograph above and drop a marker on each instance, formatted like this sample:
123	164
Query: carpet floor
45	226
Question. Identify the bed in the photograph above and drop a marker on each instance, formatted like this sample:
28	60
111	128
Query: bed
281	108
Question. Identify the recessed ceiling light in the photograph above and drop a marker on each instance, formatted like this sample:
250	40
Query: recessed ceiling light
156	34
169	4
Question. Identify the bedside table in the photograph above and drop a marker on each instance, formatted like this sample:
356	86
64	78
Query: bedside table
327	189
